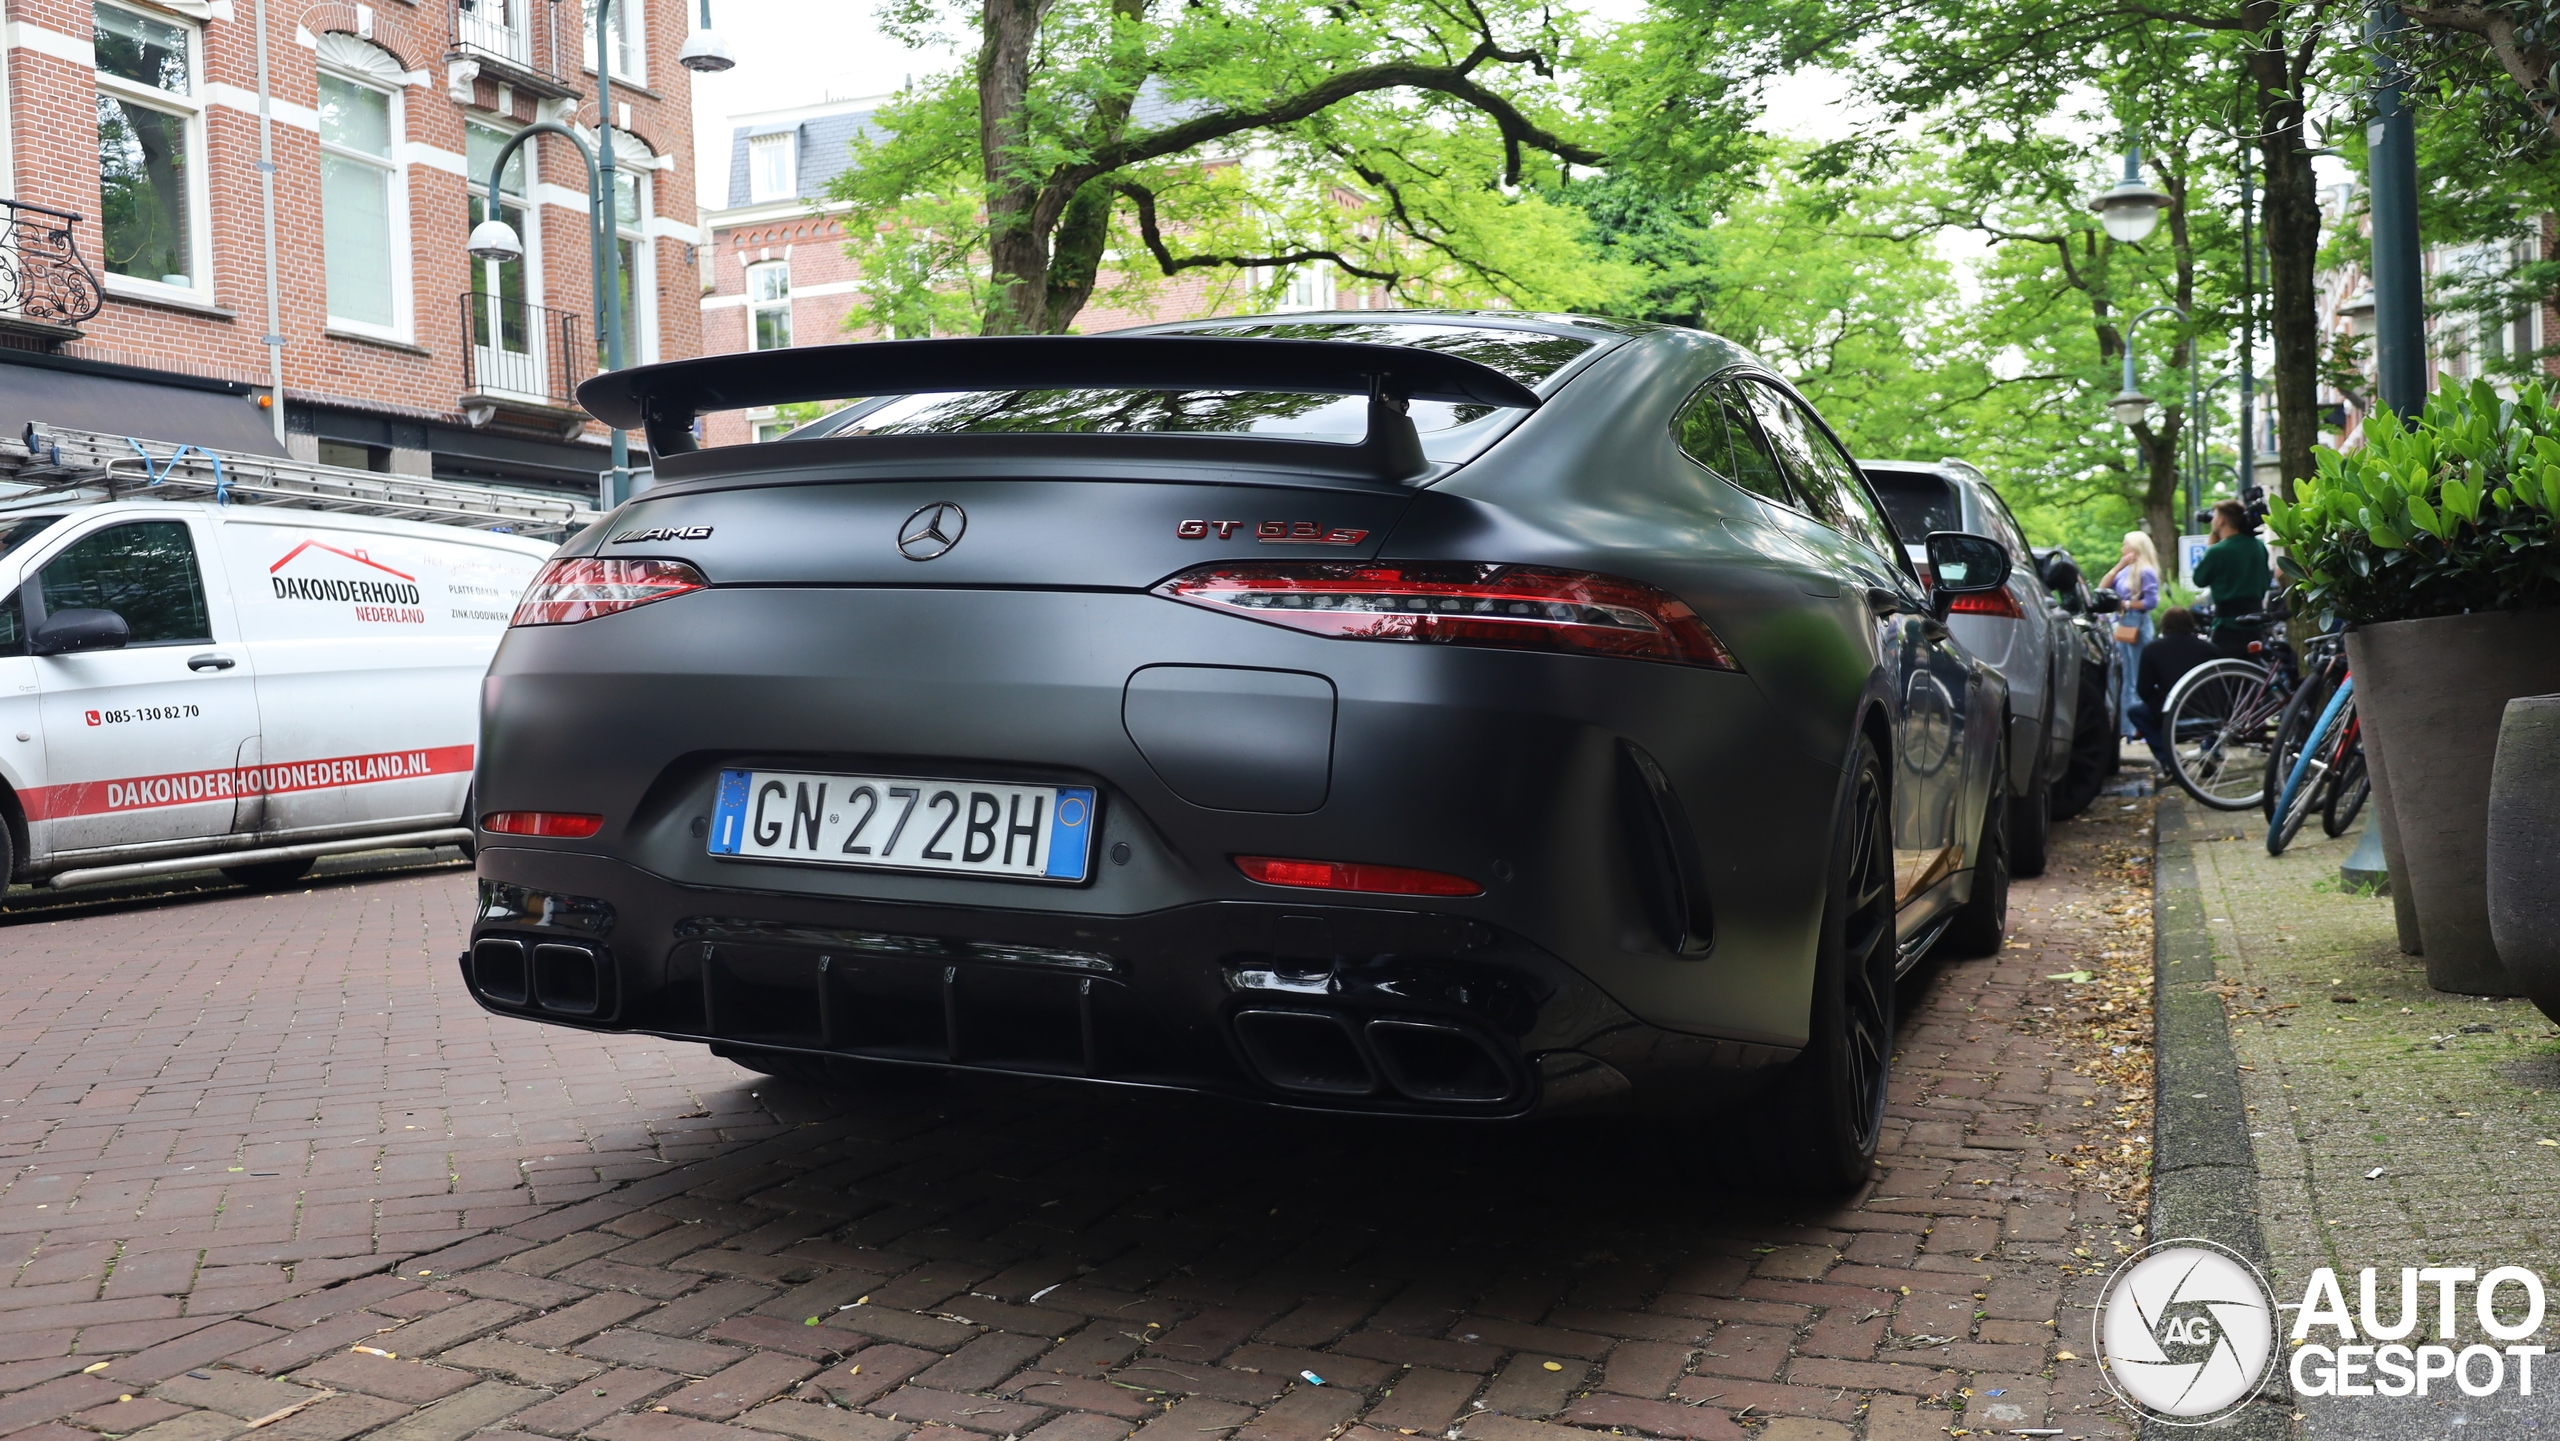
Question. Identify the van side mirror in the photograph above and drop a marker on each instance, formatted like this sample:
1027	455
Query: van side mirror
1963	564
68	631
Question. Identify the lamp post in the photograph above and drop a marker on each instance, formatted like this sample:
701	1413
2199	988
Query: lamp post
2130	210
494	239
2130	405
2399	289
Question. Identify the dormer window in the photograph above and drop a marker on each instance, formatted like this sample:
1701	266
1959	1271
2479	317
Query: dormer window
773	167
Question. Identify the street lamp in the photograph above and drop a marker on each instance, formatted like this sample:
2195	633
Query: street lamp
704	52
2131	210
2130	405
495	239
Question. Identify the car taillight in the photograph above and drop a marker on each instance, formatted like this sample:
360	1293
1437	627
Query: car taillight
563	825
584	587
1988	602
1517	607
1355	876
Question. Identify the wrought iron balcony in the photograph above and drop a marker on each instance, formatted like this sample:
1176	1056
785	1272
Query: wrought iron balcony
496	38
45	287
523	358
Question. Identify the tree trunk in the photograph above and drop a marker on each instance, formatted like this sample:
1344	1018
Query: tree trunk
2293	256
1076	255
1018	254
2160	481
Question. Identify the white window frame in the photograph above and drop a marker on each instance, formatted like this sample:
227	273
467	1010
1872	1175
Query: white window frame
191	106
640	349
781	303
1309	287
631	25
403	326
785	143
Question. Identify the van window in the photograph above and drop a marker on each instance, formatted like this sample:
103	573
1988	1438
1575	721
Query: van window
17	530
13	627
145	572
1714	432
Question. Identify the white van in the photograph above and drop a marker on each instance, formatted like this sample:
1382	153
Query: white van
186	685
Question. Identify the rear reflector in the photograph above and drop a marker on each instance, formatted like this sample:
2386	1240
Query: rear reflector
561	824
1355	876
1513	607
584	587
1988	602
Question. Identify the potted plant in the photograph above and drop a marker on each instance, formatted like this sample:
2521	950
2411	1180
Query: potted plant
2438	545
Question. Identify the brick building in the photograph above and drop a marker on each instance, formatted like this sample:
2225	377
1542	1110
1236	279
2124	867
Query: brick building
775	273
398	351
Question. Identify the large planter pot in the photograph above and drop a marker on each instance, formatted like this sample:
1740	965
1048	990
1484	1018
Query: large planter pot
2431	694
2524	848
2404	911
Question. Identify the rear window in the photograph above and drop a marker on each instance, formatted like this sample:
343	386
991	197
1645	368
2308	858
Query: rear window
1529	357
1919	503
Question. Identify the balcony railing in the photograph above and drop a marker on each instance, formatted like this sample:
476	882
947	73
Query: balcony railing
499	35
521	352
43	280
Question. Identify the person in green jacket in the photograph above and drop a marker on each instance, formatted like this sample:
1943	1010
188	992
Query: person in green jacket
2235	569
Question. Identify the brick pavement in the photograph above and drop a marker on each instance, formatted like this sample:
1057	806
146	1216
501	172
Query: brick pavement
279	1174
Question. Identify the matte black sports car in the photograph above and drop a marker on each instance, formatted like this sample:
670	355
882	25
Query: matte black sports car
1441	714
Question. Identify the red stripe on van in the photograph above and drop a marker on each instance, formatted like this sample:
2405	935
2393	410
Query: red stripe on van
187	788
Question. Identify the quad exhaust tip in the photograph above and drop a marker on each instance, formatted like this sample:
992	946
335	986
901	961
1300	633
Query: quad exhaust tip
1323	1053
568	980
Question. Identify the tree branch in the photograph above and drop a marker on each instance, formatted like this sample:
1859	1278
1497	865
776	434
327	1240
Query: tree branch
1153	235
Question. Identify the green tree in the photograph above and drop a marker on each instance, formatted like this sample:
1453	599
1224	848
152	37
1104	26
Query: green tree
1397	140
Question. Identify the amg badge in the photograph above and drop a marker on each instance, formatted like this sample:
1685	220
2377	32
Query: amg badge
1273	532
664	532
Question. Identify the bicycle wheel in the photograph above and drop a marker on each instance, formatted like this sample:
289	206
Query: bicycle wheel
2293	727
2308	785
2221	723
2347	796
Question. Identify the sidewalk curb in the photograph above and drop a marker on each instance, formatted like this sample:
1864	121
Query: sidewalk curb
2204	1175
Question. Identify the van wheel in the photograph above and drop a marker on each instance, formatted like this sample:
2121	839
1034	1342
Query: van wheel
1824	1114
270	875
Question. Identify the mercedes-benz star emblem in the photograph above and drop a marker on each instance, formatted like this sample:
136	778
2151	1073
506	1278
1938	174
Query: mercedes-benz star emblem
932	531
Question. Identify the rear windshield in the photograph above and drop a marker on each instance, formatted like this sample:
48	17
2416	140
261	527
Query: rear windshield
1918	503
1529	357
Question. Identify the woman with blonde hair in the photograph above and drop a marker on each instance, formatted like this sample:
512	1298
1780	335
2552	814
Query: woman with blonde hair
2136	582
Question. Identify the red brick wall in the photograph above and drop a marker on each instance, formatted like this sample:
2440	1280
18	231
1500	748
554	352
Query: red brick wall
52	134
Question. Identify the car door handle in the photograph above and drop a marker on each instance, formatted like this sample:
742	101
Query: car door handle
210	660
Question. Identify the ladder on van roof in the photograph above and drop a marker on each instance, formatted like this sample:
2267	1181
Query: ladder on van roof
87	465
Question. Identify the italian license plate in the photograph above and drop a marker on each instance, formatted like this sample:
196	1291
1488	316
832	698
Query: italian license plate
975	828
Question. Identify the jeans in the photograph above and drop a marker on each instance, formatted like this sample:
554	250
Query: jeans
2131	651
2147	726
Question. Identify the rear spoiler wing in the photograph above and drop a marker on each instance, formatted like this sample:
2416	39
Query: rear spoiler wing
662	400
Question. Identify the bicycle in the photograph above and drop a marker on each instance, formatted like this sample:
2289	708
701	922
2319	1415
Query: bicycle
2221	721
2317	775
2324	665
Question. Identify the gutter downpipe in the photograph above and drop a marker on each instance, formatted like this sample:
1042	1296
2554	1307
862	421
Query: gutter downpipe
274	337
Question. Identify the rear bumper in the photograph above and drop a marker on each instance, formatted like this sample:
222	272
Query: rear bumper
1324	1007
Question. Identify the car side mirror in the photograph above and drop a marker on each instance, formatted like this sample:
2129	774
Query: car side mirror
68	631
2106	602
2061	574
1963	564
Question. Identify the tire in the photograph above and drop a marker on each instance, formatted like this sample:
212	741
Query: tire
1827	1107
2030	830
2347	798
270	875
2095	755
2221	731
2292	729
1982	924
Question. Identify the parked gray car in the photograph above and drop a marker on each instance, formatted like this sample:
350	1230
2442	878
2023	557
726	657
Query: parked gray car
2022	630
1406	713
